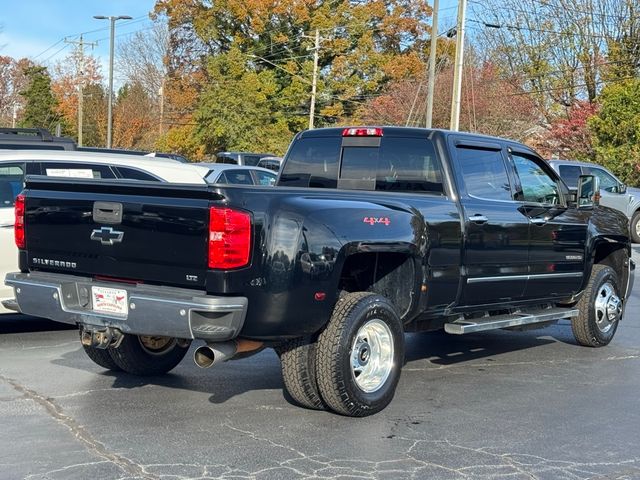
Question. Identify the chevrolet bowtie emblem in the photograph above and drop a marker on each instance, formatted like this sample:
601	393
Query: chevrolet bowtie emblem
107	236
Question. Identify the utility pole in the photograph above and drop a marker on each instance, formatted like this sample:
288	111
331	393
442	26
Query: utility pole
161	95
80	43
432	63
113	20
312	109
459	62
15	115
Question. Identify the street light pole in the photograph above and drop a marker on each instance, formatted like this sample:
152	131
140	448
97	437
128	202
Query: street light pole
432	63
113	19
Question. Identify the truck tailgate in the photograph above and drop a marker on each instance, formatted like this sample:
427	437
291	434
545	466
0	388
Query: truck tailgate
140	231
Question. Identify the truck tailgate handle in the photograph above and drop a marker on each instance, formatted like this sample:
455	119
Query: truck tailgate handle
479	219
107	212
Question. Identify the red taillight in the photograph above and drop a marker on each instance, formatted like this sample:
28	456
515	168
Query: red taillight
362	132
229	238
18	228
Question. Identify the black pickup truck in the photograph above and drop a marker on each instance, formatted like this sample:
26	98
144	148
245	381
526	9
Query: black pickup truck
370	233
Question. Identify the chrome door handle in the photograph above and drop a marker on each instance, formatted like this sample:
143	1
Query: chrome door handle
538	221
479	219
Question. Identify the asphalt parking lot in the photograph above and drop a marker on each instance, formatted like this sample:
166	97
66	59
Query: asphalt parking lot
501	405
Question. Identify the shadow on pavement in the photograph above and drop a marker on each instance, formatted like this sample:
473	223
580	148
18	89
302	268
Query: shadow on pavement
18	323
262	371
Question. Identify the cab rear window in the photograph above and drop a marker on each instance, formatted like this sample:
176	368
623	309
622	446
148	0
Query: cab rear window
402	164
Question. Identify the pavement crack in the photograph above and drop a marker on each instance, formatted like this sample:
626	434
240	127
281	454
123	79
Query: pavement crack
91	444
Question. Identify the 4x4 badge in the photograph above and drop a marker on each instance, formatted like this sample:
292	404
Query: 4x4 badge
107	235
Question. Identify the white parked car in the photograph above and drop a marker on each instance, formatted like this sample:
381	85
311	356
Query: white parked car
16	164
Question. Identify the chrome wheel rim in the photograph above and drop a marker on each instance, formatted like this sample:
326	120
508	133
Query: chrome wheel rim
608	307
638	228
372	356
156	345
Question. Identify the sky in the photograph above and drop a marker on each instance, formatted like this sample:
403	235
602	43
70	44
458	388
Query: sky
37	28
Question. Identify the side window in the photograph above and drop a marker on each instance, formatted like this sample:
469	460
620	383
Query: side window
225	159
77	170
537	185
251	160
134	174
211	178
409	164
312	162
264	178
485	174
607	181
238	177
570	174
11	183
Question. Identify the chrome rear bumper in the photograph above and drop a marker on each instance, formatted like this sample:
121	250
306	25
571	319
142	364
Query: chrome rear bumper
152	310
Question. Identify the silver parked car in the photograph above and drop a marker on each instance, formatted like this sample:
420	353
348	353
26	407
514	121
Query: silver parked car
238	175
614	193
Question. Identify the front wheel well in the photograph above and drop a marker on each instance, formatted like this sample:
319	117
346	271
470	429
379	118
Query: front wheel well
615	256
389	274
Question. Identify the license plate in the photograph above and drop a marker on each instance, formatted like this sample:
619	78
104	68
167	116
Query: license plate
109	300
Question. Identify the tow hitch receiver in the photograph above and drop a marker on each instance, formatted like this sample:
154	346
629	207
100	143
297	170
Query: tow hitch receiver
100	337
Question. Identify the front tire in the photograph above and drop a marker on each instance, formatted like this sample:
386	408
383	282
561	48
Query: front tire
360	354
147	355
600	309
635	227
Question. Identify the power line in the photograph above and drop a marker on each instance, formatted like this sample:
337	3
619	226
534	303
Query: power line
134	20
55	53
536	30
546	4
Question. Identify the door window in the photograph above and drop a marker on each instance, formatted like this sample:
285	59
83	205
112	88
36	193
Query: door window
11	183
251	160
238	177
77	170
265	178
225	159
484	173
537	185
570	174
134	174
607	181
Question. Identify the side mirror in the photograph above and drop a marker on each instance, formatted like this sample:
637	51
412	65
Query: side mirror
622	188
588	191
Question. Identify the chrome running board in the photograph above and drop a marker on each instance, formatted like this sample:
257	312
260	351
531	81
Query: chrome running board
523	317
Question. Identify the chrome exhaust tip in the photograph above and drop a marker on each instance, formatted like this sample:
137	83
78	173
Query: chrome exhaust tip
204	357
213	353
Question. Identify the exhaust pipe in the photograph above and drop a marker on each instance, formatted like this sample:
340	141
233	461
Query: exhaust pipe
217	352
213	353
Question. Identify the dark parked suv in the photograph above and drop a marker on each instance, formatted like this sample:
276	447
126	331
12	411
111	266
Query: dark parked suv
33	139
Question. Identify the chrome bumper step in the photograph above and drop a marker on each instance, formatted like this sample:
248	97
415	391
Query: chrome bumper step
524	317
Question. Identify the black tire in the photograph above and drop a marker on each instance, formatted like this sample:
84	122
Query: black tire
635	221
336	379
298	362
101	358
132	357
587	329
